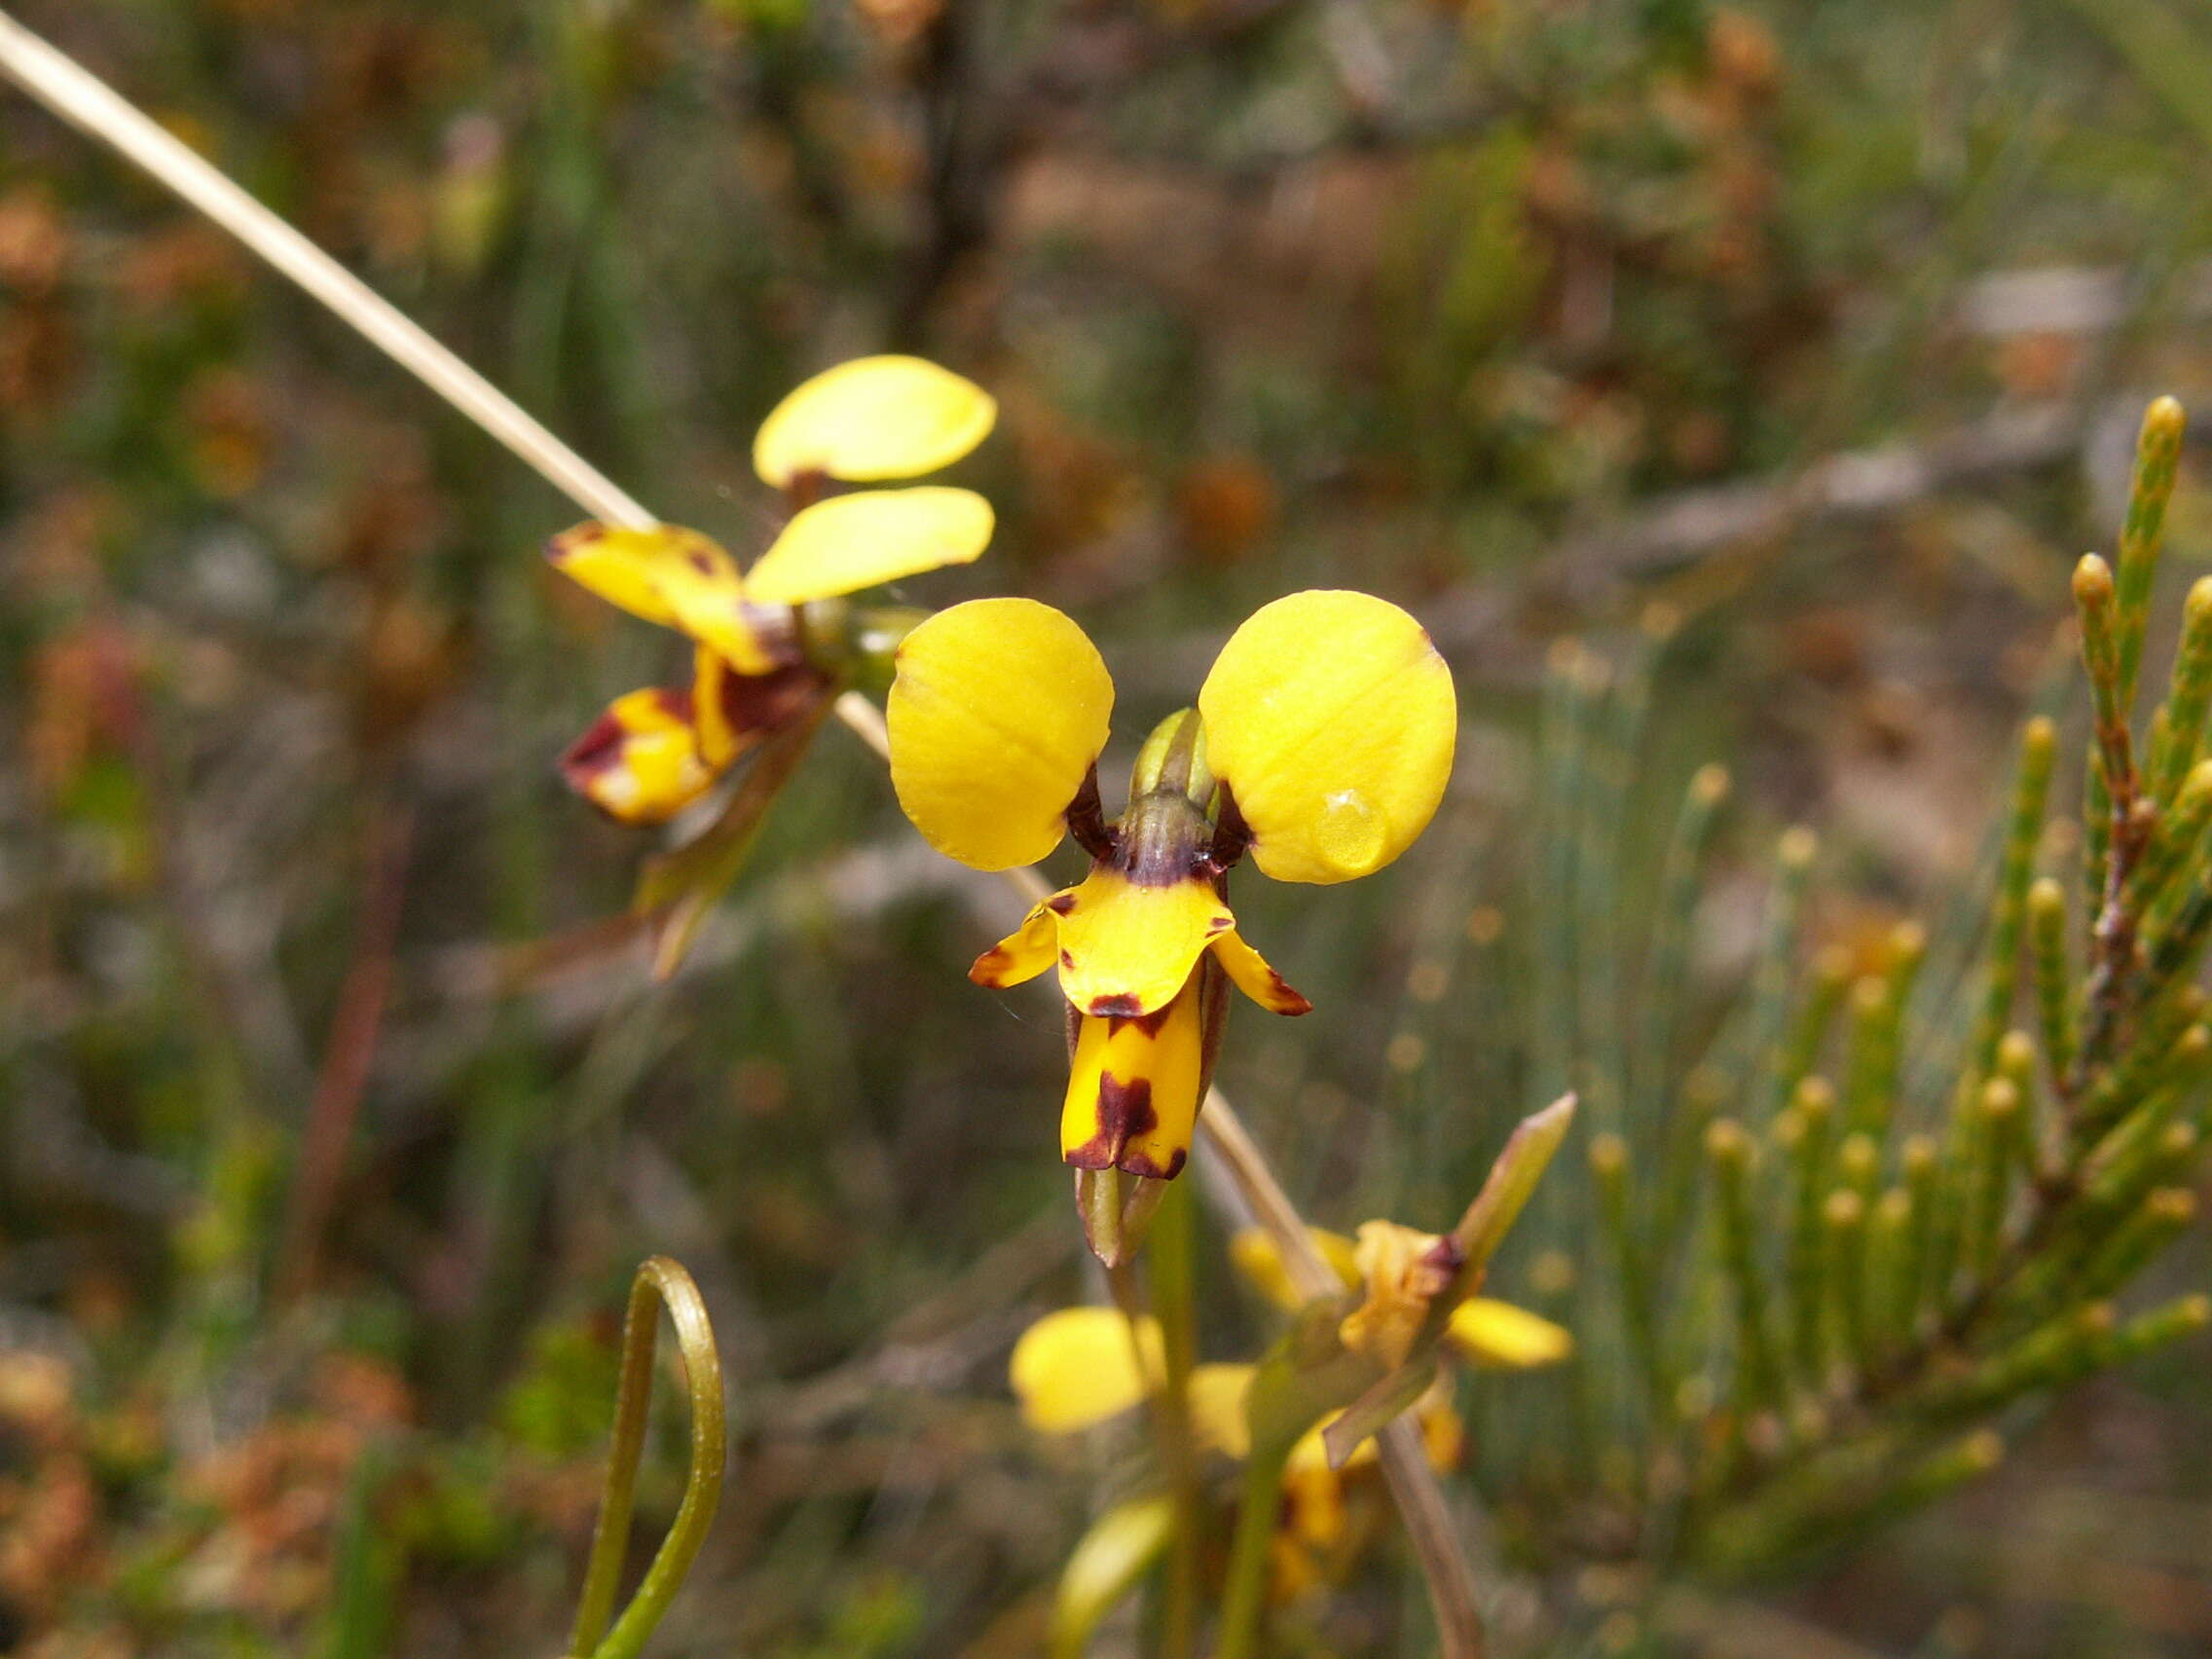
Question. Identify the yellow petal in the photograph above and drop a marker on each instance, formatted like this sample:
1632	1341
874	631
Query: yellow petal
998	712
1311	1455
1217	1394
1443	1436
1126	947
864	541
1023	954
872	419
1256	1256
1133	1092
620	564
639	763
1499	1333
1106	1564
1078	1367
1249	973
1331	719
670	576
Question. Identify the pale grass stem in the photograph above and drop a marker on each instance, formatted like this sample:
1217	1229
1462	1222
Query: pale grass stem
89	104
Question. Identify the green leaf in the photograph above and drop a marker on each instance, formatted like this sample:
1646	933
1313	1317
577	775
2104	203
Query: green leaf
1512	1178
1380	1407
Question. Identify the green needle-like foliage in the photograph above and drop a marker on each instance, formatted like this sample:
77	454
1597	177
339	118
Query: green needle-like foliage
1837	1308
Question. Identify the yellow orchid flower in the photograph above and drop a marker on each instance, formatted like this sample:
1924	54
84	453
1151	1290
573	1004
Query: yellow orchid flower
1078	1368
769	651
1386	1265
1322	744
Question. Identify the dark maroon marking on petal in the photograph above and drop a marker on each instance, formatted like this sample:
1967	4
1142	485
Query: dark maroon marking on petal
1295	1003
673	701
559	547
756	704
1125	1113
1138	1163
599	749
700	561
1060	903
1120	1005
1221	924
1148	1024
989	966
1067	958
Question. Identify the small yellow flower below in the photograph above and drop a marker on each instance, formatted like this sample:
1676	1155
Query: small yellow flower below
1491	1334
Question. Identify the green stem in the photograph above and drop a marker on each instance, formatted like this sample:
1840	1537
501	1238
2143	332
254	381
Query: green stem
1174	1303
1245	1600
665	1279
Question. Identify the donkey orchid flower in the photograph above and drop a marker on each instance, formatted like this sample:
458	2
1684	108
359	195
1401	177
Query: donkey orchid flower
1322	743
1081	1367
1393	1268
767	649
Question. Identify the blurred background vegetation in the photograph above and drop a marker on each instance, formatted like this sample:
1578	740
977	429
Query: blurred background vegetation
1816	330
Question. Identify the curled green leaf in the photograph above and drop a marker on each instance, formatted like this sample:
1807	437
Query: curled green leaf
664	1282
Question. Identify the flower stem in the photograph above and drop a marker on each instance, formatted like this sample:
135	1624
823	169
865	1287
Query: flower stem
1169	1406
1245	1600
1172	1246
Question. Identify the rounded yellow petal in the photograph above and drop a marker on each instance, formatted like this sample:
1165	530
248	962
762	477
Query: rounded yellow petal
1255	1254
1127	947
998	712
1217	1394
1499	1334
1078	1367
864	541
1331	720
872	419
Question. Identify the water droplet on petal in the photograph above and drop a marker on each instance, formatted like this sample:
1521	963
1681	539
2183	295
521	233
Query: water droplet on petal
1351	833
